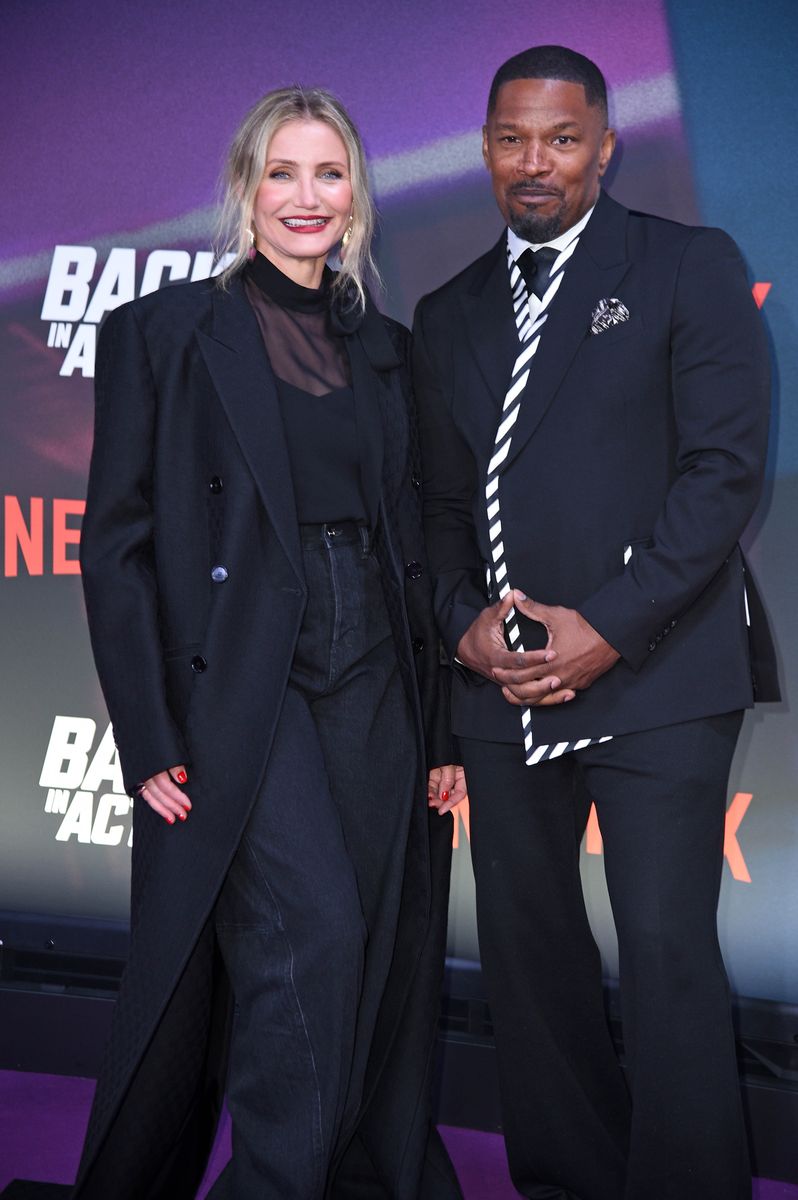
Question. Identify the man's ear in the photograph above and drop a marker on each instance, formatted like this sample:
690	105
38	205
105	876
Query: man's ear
485	151
607	147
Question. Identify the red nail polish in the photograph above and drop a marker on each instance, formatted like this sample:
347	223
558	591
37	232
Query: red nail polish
444	796
171	820
182	816
181	777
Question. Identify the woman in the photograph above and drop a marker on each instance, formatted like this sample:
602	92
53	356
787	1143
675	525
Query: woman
261	621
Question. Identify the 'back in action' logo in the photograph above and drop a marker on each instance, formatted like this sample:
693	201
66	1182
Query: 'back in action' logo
74	304
84	785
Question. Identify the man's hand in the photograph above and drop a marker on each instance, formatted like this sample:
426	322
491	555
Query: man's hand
483	649
582	653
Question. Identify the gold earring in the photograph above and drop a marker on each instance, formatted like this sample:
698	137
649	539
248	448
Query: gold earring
348	230
251	234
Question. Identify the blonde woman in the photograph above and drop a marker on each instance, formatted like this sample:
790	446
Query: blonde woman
260	615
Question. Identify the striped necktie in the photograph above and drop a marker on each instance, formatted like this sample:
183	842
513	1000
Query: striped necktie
532	273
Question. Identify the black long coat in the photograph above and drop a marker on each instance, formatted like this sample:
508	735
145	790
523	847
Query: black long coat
189	471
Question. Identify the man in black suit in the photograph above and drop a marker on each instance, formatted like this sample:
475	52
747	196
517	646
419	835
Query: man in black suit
593	399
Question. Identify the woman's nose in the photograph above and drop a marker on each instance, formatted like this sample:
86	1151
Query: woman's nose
306	192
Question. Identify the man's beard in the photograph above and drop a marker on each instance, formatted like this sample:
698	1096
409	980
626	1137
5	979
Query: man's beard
530	224
534	227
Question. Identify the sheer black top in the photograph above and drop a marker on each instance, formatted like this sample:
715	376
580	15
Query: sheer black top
314	384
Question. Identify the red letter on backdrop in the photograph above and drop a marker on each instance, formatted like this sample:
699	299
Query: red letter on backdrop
760	291
461	813
18	537
731	848
64	536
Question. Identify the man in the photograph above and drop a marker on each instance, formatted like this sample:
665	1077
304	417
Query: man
593	395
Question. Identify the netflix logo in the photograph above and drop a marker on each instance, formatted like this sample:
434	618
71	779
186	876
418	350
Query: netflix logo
41	537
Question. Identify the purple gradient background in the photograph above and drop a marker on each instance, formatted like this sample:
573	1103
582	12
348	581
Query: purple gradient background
122	112
117	117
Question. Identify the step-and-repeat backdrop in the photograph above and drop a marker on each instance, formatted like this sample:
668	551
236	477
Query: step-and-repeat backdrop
115	122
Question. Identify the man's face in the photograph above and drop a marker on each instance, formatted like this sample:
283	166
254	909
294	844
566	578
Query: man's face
546	149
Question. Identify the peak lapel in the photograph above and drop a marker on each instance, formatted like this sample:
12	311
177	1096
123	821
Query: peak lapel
241	373
597	267
491	337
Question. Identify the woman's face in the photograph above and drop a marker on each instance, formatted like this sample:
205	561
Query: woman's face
304	200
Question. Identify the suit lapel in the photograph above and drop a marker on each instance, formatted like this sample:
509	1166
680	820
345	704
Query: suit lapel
597	267
491	337
241	373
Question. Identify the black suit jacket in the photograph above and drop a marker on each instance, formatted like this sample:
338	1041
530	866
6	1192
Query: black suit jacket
652	435
190	470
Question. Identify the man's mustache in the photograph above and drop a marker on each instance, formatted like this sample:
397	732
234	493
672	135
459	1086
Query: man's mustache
530	185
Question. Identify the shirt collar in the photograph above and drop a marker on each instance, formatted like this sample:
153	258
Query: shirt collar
517	245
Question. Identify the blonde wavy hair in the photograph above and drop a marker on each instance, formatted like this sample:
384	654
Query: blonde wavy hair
244	171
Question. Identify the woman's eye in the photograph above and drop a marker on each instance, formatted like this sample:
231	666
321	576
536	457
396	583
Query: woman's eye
331	175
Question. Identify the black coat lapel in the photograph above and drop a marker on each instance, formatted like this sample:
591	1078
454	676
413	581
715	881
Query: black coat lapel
370	355
596	268
241	373
490	335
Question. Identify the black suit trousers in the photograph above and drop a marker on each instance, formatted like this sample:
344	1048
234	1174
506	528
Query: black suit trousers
571	1130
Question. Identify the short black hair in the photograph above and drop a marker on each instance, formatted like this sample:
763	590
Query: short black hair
553	62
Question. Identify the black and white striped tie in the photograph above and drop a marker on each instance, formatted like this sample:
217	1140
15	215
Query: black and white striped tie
533	273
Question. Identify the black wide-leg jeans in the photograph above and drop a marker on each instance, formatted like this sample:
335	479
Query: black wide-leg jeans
572	1130
307	917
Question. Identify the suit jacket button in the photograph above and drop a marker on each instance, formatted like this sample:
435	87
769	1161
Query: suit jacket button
219	574
418	645
215	485
414	570
198	664
415	480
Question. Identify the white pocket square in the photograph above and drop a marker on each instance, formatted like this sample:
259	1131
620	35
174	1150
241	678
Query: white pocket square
607	313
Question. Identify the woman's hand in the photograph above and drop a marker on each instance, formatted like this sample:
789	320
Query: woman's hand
163	795
446	787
